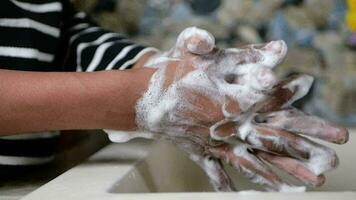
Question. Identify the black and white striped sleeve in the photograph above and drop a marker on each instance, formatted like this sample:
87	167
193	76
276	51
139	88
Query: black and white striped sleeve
92	48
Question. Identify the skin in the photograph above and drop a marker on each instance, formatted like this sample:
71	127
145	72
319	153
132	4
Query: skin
39	101
43	101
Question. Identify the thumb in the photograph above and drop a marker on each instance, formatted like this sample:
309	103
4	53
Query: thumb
194	40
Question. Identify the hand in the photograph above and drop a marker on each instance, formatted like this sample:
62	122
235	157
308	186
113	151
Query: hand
225	105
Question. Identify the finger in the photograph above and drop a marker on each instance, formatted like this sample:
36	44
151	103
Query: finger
223	130
213	168
274	52
276	141
194	40
231	108
293	167
318	158
240	67
297	121
256	76
247	164
285	93
268	54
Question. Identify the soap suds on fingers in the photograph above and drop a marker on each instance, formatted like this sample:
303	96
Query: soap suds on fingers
321	159
302	85
294	120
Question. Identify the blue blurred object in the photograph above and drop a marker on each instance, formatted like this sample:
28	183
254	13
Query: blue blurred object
158	11
153	13
337	16
180	12
304	38
279	29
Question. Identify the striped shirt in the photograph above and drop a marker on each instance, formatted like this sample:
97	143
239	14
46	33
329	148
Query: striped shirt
50	35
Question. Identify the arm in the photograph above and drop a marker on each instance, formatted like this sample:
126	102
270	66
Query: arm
58	101
39	101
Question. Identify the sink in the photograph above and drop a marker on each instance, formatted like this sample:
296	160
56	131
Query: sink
158	170
185	176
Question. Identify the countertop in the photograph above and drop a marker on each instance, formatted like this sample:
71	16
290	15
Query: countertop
79	146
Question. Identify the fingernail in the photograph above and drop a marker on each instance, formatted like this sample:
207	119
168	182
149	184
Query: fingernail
335	161
335	133
275	46
319	181
343	136
224	130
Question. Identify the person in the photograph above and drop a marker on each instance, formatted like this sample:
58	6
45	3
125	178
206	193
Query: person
46	36
59	73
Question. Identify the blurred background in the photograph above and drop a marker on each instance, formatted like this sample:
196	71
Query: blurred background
321	36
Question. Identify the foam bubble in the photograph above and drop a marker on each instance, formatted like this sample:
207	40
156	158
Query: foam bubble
302	85
124	136
287	188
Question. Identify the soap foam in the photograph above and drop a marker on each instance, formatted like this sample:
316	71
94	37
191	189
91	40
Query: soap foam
321	158
124	136
212	168
274	52
159	110
240	150
301	86
287	188
245	129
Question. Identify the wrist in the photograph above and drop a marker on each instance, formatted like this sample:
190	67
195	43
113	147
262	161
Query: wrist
124	89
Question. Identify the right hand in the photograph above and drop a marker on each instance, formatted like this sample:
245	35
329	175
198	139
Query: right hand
225	105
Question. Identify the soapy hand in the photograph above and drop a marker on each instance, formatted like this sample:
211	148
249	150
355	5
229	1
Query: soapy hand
227	105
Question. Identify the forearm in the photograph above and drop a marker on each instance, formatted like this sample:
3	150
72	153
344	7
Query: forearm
38	101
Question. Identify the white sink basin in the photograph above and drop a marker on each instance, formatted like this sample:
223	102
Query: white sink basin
128	171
